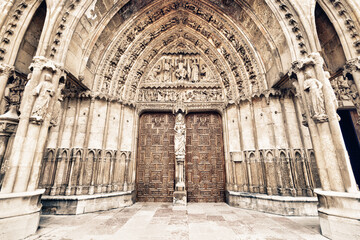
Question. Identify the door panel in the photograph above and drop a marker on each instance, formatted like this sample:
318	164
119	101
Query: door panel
155	164
204	162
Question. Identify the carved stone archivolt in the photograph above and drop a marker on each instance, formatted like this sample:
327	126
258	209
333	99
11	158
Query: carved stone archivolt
220	56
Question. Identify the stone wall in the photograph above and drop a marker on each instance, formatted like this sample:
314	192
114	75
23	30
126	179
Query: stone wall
90	151
270	150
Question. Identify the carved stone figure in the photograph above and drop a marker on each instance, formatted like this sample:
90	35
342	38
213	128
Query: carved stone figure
315	96
195	71
204	73
44	91
181	73
154	76
167	70
180	135
57	106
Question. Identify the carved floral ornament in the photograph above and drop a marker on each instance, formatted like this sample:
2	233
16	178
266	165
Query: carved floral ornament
216	40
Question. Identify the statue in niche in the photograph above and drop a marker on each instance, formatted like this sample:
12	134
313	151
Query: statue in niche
180	135
57	107
44	91
181	73
195	71
313	88
167	70
154	76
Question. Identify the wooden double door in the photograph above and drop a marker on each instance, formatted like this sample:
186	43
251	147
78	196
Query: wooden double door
204	161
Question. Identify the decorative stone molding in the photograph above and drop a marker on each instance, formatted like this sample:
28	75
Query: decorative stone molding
349	23
55	159
295	26
69	8
11	27
41	63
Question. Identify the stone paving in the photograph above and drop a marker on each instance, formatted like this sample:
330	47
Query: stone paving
158	221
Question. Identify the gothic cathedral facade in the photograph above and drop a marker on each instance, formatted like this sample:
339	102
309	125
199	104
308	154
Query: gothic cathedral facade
255	103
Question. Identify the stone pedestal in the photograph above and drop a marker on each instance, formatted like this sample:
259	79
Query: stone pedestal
180	195
339	214
20	214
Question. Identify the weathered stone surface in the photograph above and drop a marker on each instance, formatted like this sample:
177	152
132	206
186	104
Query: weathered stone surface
83	74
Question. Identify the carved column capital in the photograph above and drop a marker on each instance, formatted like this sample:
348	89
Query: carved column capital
352	65
6	69
42	63
310	60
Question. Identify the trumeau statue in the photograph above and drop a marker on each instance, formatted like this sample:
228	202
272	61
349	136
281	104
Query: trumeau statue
180	135
44	91
313	87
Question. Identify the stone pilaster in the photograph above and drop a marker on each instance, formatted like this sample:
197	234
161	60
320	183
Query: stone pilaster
335	171
21	178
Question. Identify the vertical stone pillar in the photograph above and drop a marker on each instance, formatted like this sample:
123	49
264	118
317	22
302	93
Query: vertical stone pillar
180	196
8	124
19	197
339	201
353	67
5	72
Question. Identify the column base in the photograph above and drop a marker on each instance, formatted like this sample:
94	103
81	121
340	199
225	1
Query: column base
339	214
180	198
19	214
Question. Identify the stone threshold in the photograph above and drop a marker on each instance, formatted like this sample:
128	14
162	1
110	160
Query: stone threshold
80	204
281	205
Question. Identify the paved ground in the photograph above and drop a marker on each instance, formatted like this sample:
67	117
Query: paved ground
158	221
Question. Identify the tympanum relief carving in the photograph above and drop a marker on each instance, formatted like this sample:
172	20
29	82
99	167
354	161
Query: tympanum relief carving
180	76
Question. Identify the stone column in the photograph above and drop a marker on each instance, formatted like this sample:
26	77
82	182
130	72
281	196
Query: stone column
8	124
353	67
180	196
339	205
5	72
19	197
